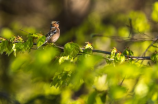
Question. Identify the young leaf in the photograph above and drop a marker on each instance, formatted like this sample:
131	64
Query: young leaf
41	40
92	98
88	48
14	49
128	52
35	35
71	49
29	43
12	39
9	48
63	58
19	39
113	52
119	58
19	46
4	44
154	57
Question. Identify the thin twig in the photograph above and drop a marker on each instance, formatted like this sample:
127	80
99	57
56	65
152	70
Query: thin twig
148	48
122	81
24	31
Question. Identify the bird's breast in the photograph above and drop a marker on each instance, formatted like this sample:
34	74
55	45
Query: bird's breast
54	38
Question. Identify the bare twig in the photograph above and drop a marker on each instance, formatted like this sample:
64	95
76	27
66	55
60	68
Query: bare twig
122	81
149	47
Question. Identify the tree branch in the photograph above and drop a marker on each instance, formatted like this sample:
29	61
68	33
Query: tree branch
100	51
106	52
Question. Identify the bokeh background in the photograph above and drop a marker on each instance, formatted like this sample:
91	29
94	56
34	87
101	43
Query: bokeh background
80	21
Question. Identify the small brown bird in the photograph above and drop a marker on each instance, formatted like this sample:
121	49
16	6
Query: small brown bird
53	34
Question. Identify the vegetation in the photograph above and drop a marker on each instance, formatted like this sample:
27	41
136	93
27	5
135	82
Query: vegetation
80	74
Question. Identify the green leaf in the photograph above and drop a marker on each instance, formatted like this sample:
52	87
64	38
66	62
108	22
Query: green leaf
14	49
122	58
12	39
87	51
41	40
71	49
61	79
117	92
9	48
6	33
3	45
113	52
29	43
119	58
154	14
88	46
154	57
92	98
155	6
64	58
35	35
103	97
6	46
139	21
19	39
19	46
128	52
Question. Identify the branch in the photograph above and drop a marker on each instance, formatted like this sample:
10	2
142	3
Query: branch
129	57
106	52
100	51
149	47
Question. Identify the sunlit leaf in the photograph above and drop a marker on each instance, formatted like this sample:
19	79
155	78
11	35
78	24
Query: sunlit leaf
92	98
127	52
6	33
117	92
154	14
88	46
9	48
14	49
29	43
154	57
71	49
41	40
63	58
113	52
139	21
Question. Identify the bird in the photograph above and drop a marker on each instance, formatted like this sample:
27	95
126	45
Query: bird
54	33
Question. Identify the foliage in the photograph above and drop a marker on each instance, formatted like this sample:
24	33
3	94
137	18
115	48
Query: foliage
120	80
154	57
154	14
75	75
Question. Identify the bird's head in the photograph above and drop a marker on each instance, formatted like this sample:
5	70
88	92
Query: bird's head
55	24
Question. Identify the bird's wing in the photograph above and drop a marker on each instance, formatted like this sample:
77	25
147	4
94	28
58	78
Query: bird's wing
48	36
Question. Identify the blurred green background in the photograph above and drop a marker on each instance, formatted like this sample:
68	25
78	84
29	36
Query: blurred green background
27	77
